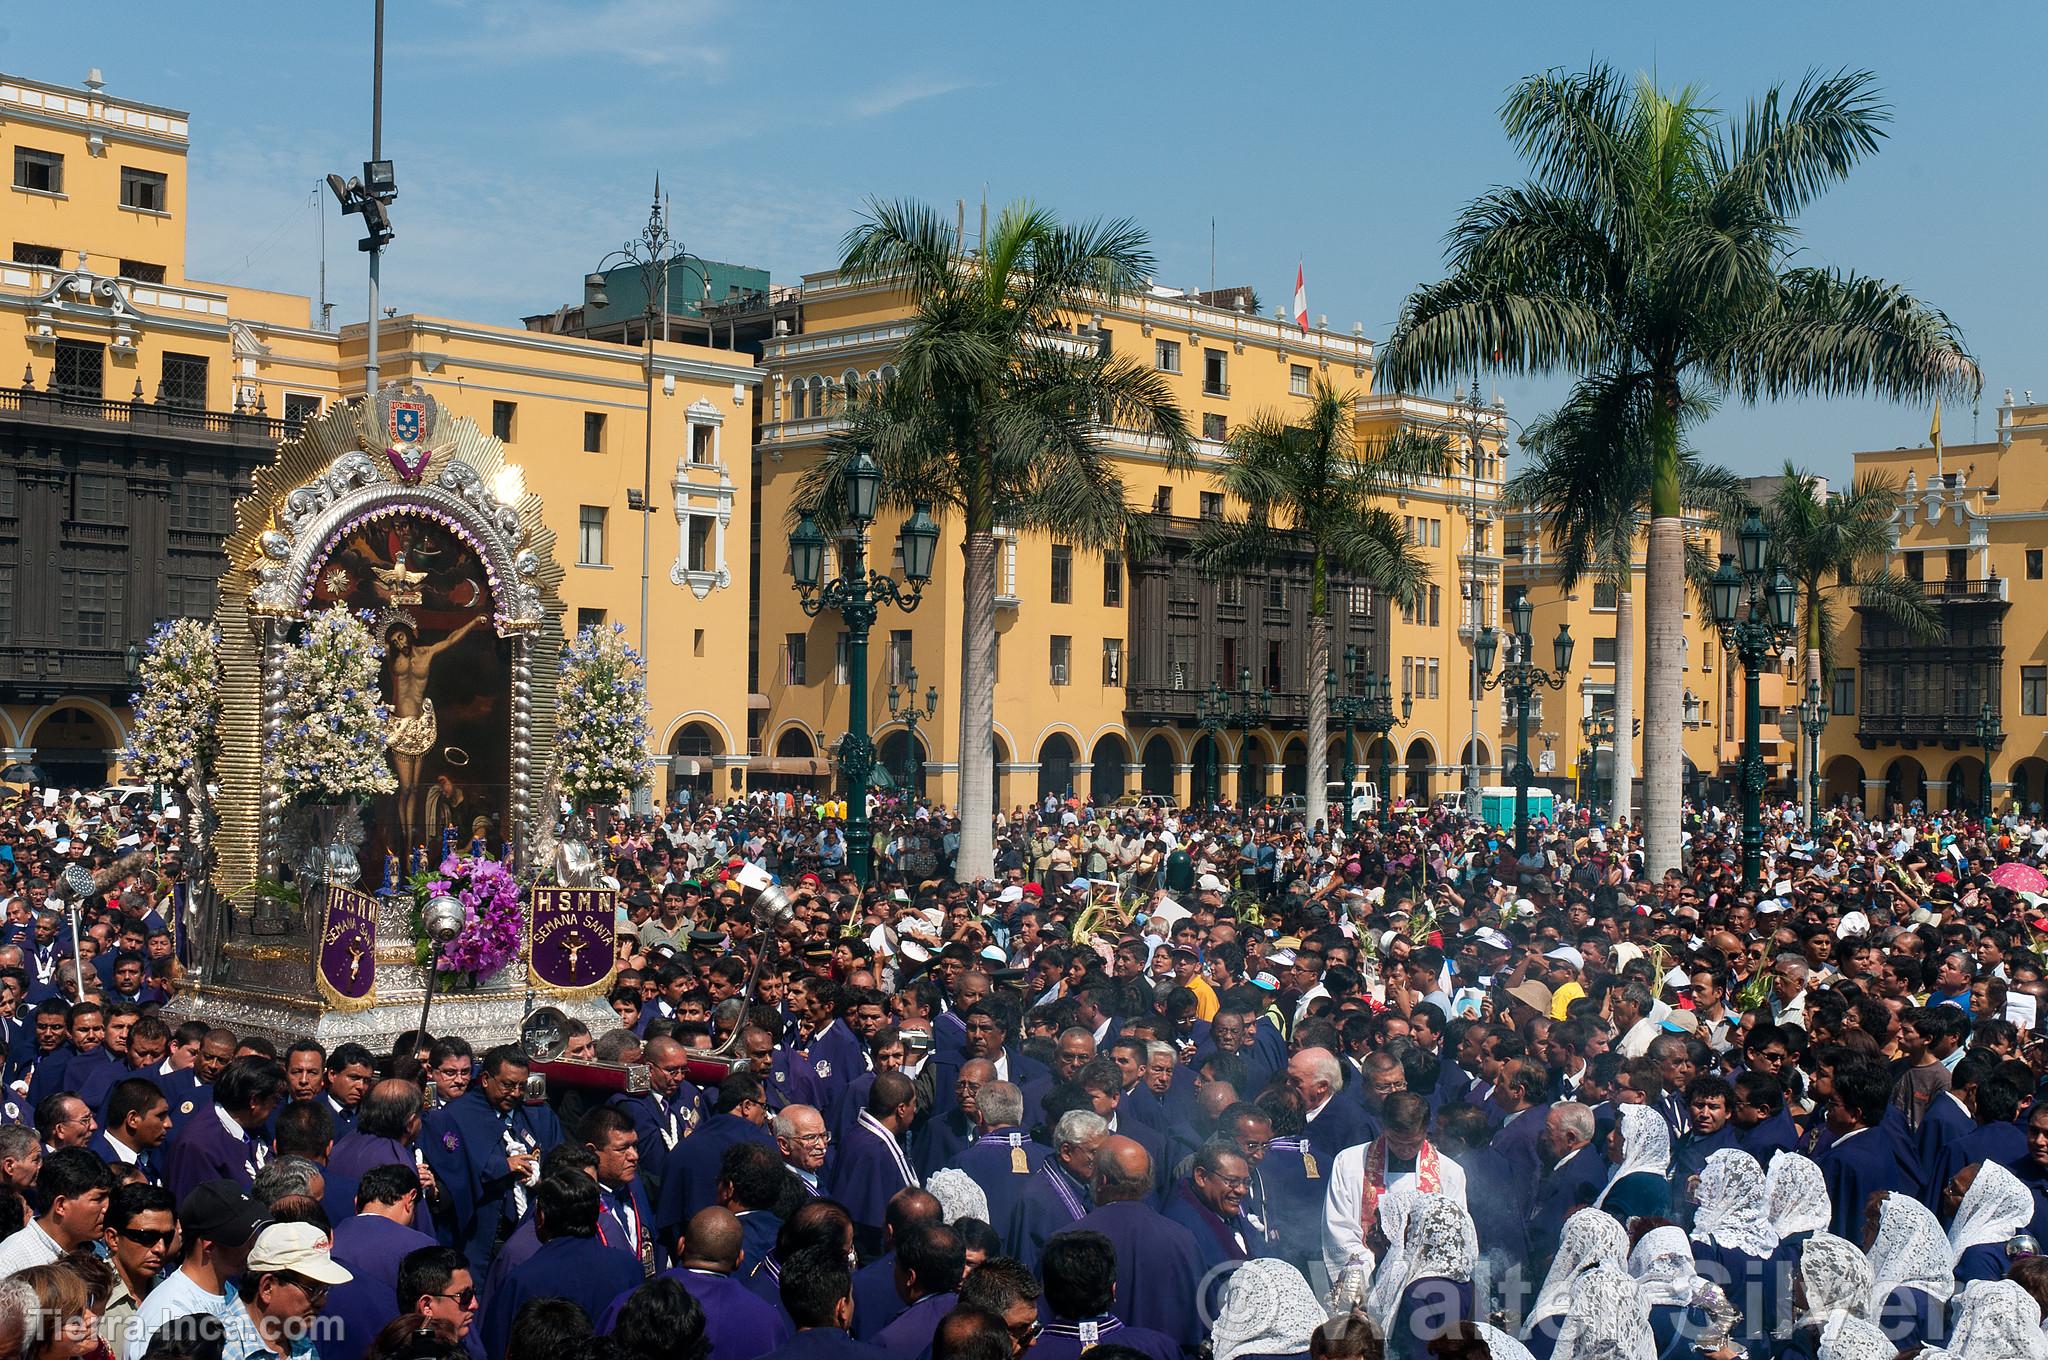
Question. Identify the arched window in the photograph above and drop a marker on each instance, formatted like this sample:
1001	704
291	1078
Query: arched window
796	400
888	375
818	388
850	380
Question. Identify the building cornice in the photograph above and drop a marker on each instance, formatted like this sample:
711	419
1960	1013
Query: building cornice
539	343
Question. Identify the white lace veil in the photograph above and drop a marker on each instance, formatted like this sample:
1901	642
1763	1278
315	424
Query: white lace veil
1392	1276
1591	1240
1796	1195
1998	1321
1267	1309
1662	1265
1836	1275
1608	1321
1441	1241
1645	1146
1997	1205
1910	1250
1732	1213
1844	1337
1500	1345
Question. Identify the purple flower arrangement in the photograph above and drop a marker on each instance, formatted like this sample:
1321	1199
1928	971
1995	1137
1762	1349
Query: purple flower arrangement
493	917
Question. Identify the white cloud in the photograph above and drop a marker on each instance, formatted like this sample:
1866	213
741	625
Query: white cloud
897	94
579	39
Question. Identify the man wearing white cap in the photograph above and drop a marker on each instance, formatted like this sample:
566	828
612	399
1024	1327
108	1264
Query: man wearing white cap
281	1292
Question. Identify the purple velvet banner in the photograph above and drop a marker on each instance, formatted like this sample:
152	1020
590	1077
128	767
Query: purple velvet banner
574	944
348	945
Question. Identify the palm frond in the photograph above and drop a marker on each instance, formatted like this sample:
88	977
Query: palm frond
1454	327
1784	154
1833	333
1901	601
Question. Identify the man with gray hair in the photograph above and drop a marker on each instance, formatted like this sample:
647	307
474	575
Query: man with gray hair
1058	1193
800	1135
1575	1177
1333	1125
1002	1159
1788	989
285	1176
1635	1016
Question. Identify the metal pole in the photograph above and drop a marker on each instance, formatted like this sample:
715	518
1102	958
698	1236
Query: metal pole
856	752
1752	766
1521	696
370	366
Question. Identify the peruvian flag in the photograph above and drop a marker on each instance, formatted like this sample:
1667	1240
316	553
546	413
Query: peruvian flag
1300	298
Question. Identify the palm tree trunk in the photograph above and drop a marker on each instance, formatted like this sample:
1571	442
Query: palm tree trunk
1318	791
1664	649
976	858
1624	764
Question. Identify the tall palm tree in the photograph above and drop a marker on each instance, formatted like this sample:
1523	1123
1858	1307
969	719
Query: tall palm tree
1312	486
993	410
1653	247
1837	543
1590	472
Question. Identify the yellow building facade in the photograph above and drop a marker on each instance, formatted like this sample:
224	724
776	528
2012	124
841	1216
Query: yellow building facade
1906	713
1076	710
122	352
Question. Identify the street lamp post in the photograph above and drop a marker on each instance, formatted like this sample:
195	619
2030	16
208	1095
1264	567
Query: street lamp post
857	594
1519	679
1598	728
1250	711
1212	716
1989	736
1378	719
1350	707
653	253
1753	608
907	713
1813	720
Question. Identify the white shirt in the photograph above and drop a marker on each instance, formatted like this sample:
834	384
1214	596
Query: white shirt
30	1246
1342	1235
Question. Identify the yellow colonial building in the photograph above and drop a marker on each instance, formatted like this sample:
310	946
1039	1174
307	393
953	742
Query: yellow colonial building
146	398
1102	663
1908	714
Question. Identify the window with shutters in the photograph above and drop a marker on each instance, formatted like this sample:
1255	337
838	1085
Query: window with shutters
502	416
6	603
1062	574
590	536
7	486
1166	356
89	605
1604	595
593	432
701	527
201	507
2034	691
900	660
96	498
1297	380
184	382
1113	579
1215	427
145	190
1603	651
1062	659
1212	505
1844	704
39	172
795	670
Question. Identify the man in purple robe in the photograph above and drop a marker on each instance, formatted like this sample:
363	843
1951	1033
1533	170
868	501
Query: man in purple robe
1209	1203
370	1245
1158	1264
387	1123
224	1141
872	1164
930	1258
1002	1157
737	1324
1060	1193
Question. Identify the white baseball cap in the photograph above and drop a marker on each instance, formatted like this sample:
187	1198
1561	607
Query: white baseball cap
300	1248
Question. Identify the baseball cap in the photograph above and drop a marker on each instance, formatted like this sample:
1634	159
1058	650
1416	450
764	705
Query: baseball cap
219	1212
1681	1022
1266	982
1012	893
300	1248
1567	954
1209	883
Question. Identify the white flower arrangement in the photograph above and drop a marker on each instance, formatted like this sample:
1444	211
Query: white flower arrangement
601	723
331	745
177	706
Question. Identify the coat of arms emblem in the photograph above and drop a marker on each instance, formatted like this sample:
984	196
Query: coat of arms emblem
406	425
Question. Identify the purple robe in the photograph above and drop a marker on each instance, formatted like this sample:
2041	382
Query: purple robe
1158	1268
737	1325
1054	1200
912	1331
203	1150
370	1248
1063	1340
868	1174
355	1154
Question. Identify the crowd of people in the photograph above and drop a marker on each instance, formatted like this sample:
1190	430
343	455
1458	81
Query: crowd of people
1170	1083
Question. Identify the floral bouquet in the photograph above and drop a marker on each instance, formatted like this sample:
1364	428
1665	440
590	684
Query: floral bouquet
331	746
177	707
601	723
492	917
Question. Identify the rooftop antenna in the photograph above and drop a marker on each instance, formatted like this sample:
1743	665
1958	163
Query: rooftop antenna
981	241
326	307
1212	254
960	225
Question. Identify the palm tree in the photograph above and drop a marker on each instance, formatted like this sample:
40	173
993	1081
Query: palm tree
993	412
1313	487
1589	476
1838	543
1652	249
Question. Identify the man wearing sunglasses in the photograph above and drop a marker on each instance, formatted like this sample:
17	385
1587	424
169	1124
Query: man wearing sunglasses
281	1292
140	1225
435	1283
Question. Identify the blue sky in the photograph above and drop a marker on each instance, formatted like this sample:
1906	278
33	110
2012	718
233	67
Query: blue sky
527	133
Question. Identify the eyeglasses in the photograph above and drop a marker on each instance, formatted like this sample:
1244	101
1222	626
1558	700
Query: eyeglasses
465	1299
811	1139
315	1292
147	1237
1027	1333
